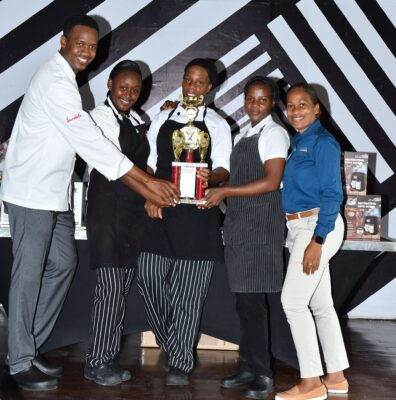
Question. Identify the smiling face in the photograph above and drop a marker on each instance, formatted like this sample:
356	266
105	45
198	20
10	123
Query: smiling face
301	111
258	102
79	47
196	81
125	90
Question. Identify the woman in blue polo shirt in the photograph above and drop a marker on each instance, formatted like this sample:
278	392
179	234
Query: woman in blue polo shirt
311	198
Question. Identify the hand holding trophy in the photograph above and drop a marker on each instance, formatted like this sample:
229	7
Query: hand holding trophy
188	139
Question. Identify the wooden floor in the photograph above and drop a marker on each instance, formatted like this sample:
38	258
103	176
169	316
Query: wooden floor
371	346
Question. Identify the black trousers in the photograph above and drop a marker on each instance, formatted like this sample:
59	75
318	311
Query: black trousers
252	309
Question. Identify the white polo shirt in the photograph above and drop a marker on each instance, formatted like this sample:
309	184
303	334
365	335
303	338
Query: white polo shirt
274	141
219	130
50	128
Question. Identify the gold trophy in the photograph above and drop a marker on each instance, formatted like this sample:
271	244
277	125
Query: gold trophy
188	139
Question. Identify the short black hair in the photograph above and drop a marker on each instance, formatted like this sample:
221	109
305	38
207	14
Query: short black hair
79	19
125	65
309	89
263	80
208	65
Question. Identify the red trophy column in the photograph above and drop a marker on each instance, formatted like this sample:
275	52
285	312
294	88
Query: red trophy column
199	189
175	174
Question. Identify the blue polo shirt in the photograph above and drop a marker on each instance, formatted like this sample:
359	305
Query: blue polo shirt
312	177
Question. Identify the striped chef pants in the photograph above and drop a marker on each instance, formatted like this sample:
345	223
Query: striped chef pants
174	291
108	313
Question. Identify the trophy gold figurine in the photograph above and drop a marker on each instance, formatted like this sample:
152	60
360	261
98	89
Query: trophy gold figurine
188	139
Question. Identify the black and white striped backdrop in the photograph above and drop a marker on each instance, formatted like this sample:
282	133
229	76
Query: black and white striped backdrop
347	47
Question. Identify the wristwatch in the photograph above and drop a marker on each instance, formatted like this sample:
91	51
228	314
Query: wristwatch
318	239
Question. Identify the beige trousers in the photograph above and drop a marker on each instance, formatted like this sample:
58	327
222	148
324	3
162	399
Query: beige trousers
308	303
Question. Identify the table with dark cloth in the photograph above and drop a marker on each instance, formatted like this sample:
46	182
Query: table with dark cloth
358	271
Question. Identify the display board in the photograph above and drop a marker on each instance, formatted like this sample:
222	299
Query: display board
345	47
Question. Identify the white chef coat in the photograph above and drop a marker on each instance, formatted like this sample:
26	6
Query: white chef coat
219	130
104	117
50	128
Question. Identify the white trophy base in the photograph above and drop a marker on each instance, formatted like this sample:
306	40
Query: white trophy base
187	181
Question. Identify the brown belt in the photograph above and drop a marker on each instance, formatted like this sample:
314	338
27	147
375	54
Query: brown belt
302	214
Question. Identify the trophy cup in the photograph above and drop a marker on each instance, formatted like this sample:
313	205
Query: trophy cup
188	139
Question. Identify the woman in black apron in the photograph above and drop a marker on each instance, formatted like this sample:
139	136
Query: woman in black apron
181	246
114	217
254	232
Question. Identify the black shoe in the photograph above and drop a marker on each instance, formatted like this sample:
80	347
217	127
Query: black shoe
241	379
176	377
260	387
33	379
44	366
125	375
167	367
102	375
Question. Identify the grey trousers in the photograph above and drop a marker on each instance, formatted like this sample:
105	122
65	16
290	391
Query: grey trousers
45	259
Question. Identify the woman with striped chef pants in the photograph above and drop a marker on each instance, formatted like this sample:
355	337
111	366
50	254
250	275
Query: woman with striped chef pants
181	244
114	225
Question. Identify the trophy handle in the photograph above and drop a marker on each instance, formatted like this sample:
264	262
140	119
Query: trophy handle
191	101
203	145
177	143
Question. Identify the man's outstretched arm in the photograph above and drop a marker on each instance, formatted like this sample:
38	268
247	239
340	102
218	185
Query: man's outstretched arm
158	191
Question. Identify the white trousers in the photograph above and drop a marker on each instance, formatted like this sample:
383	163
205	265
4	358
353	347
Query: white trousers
308	303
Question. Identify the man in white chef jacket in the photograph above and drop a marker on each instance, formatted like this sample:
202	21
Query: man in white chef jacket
49	130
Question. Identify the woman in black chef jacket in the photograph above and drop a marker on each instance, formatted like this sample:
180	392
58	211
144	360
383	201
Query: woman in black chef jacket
114	219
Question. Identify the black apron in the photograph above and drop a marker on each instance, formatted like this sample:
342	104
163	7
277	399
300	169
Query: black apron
253	228
115	213
185	231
